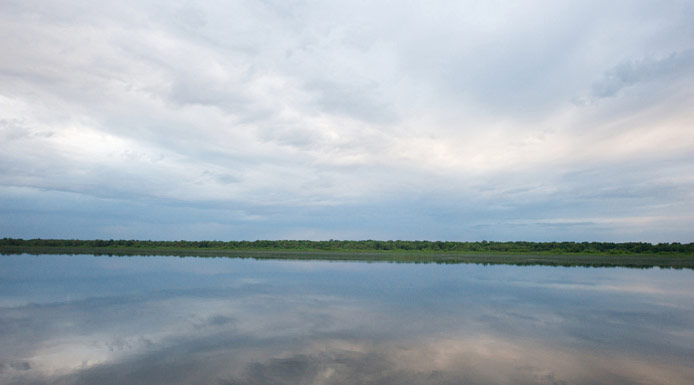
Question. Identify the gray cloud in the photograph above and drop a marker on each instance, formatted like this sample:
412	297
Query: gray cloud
276	109
352	100
629	73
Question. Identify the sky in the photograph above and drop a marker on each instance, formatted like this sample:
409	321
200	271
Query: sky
437	120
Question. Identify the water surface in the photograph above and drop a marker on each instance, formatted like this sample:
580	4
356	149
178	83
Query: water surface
167	320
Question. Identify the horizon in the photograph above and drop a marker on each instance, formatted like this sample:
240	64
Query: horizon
339	240
458	121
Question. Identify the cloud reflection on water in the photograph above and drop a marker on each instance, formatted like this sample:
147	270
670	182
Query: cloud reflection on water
388	324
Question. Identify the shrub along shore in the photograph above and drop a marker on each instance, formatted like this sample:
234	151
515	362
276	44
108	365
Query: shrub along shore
628	254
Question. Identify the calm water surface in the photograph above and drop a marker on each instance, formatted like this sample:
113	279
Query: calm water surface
169	320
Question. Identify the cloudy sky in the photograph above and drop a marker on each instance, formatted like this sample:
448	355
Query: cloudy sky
443	120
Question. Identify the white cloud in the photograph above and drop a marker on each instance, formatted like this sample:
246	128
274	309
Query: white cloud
306	105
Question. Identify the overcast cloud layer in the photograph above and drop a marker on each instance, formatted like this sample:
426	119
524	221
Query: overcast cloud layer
532	120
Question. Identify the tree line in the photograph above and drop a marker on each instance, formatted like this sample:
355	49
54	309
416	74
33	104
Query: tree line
367	245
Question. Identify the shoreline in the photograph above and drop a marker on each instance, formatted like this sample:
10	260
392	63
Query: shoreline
631	260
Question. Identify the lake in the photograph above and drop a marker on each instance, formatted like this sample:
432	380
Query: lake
166	320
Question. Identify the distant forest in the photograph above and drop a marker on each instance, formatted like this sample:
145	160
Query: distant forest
365	245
